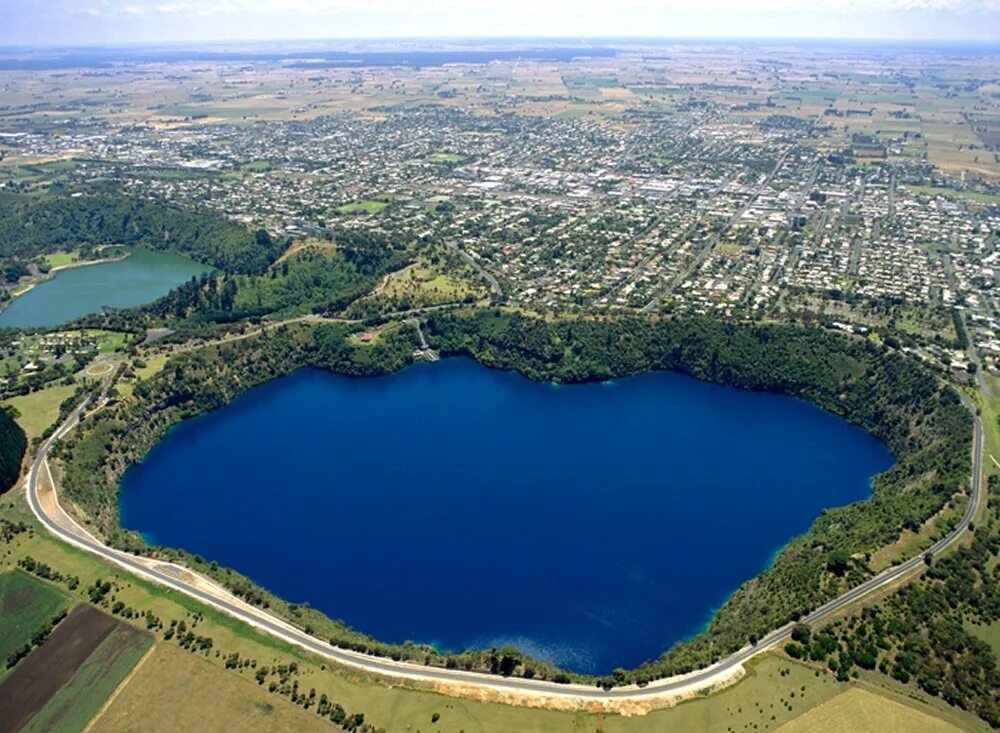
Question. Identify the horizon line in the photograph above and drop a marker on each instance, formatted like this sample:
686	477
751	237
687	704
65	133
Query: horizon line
576	39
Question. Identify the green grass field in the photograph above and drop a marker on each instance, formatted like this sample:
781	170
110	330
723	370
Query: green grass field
990	633
591	81
423	284
990	409
26	605
40	409
982	198
445	158
77	702
367	206
153	365
61	259
108	342
257	166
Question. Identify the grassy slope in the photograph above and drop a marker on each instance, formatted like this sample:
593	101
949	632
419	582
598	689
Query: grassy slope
154	365
40	409
990	413
422	284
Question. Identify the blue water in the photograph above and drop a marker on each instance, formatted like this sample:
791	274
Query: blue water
593	525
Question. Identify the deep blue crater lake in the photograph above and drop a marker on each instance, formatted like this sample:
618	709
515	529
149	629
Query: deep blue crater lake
593	525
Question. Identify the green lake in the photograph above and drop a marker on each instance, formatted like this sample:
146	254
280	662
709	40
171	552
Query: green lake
140	278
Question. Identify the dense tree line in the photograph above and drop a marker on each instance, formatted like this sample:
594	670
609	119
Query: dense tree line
13	443
323	280
40	223
922	635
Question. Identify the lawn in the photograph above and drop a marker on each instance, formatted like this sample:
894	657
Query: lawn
40	409
78	701
26	605
108	342
257	166
61	259
368	206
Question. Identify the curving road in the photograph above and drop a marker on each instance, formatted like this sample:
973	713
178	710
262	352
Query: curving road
60	524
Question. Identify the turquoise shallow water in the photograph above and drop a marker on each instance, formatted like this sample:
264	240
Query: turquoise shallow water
593	525
140	278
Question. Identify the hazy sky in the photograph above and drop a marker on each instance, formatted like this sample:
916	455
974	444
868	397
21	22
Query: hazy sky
122	21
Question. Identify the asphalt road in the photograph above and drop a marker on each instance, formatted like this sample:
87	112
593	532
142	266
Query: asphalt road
167	576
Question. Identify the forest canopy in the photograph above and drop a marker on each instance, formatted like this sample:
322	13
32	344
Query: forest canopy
36	224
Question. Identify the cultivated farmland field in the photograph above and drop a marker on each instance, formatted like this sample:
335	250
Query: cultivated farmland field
860	711
174	690
36	679
77	702
26	605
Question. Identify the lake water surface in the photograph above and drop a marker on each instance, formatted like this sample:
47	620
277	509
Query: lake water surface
593	525
140	278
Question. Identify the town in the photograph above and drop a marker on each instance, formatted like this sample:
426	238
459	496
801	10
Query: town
694	180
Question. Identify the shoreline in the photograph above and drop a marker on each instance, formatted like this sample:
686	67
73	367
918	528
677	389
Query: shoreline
697	628
816	607
50	275
632	699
